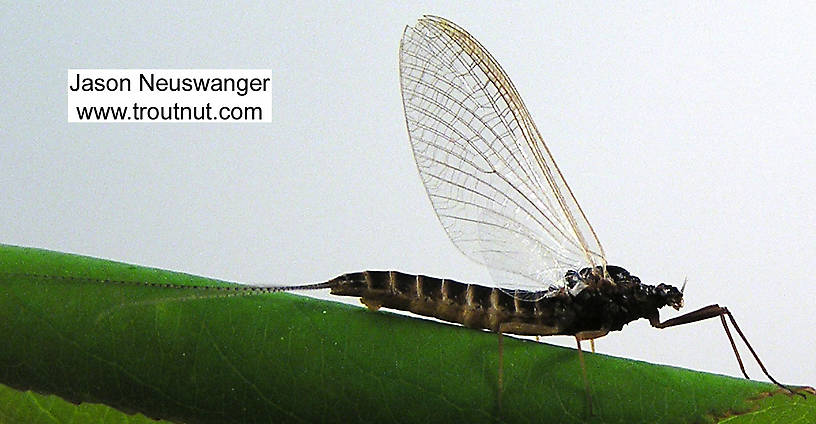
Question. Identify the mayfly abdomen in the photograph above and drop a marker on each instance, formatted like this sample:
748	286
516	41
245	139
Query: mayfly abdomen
472	305
443	299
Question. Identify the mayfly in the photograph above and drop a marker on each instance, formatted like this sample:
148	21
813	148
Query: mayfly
504	203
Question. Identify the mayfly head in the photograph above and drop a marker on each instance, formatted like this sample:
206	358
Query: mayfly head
671	295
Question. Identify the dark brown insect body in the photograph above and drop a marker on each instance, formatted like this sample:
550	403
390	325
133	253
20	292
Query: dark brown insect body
590	304
600	307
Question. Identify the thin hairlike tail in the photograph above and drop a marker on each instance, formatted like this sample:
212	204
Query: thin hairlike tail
317	286
235	287
250	288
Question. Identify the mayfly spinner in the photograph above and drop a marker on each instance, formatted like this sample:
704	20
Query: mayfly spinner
505	204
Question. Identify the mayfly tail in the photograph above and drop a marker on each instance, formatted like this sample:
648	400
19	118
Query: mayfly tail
230	288
318	286
250	287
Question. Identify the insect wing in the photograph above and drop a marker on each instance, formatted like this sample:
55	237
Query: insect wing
491	179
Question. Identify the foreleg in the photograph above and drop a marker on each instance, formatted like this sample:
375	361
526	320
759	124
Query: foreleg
713	311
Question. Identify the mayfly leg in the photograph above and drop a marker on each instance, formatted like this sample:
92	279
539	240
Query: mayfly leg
501	368
591	336
584	374
713	311
500	330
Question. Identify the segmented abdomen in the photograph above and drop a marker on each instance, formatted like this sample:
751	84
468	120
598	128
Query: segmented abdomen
471	305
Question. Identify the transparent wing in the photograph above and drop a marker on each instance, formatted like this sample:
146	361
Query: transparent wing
490	177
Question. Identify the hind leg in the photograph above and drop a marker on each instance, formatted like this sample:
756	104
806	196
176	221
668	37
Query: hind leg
517	328
587	335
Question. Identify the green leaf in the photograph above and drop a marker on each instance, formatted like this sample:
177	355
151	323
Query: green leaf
95	331
32	408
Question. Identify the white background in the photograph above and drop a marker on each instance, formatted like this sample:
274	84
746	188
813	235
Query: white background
686	133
